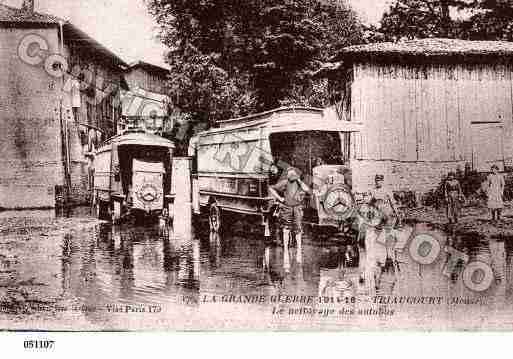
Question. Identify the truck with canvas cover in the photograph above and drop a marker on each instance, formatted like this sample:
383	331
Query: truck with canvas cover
236	163
132	173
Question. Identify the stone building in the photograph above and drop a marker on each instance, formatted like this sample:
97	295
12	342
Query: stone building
427	107
59	95
146	104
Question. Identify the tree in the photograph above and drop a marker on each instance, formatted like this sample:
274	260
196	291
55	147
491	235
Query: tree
484	20
289	40
233	57
491	20
204	90
423	18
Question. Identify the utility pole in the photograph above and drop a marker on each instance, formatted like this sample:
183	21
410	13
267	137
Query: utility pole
64	129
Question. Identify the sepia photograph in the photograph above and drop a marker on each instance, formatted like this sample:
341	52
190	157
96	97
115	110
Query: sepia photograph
255	165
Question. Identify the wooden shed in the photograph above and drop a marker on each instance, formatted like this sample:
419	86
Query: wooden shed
427	107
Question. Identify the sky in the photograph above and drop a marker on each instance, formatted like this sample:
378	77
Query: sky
126	28
370	11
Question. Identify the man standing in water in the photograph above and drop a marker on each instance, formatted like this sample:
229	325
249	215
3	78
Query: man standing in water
384	216
290	193
453	197
494	187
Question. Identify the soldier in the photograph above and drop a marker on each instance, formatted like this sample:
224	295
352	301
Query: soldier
453	197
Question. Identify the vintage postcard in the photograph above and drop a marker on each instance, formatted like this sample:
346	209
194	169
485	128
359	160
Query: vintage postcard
299	165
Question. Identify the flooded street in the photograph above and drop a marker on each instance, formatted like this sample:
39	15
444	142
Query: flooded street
78	274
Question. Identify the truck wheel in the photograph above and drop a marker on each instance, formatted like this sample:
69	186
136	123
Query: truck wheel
214	218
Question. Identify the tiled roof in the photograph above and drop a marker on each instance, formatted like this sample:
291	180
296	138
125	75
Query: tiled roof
14	17
426	48
10	14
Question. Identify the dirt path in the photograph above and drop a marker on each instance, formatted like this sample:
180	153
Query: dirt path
473	220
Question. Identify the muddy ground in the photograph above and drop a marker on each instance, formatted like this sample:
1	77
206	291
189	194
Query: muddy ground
24	279
474	220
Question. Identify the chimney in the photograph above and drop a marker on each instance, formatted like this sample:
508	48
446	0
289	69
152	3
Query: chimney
28	6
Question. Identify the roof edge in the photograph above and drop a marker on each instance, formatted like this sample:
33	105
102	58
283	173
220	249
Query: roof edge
141	63
269	112
97	45
21	19
430	50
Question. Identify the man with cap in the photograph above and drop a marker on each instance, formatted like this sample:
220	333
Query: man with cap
384	210
290	192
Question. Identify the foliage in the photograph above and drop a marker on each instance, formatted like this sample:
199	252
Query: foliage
201	88
423	18
234	57
464	19
492	20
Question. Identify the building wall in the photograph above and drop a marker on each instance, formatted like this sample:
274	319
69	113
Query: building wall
30	165
100	110
145	105
100	104
401	176
149	81
422	121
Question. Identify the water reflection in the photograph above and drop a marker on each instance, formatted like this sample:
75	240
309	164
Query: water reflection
475	248
214	250
111	264
508	249
137	264
339	271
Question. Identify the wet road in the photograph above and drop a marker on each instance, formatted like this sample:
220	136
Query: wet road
77	274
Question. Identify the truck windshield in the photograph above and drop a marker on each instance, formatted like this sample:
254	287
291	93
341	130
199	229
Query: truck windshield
306	150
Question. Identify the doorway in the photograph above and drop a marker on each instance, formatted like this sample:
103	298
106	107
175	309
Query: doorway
487	146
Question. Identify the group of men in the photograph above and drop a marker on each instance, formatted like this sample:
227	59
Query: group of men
290	193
